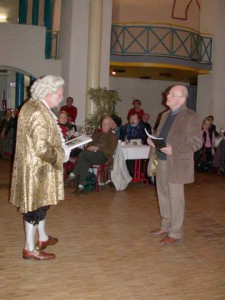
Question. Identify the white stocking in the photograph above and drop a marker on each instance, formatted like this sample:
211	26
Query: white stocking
30	231
41	231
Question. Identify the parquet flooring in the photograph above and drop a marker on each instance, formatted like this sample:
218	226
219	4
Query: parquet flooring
105	251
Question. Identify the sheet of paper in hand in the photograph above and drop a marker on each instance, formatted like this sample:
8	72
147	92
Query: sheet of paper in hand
158	142
78	141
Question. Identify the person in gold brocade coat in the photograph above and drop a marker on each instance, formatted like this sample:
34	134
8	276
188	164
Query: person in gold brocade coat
37	178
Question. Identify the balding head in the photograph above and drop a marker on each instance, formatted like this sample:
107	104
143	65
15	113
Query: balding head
106	124
177	96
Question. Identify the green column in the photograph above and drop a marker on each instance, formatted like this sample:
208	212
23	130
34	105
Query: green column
23	12
48	9
35	12
19	89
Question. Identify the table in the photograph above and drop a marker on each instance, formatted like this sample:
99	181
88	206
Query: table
137	153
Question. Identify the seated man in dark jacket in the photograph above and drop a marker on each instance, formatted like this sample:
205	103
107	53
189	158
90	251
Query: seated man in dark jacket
145	122
134	129
99	151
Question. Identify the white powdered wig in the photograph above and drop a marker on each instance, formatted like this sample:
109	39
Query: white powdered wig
46	85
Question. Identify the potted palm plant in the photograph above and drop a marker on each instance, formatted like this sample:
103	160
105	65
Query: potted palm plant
105	101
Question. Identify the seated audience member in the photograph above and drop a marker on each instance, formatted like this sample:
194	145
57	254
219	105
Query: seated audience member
134	129
213	127
99	151
117	125
136	109
204	156
70	109
145	120
208	135
67	128
7	135
219	158
68	131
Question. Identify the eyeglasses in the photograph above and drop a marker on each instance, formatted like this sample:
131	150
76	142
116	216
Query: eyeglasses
173	95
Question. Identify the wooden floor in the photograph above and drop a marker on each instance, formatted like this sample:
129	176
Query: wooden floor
105	251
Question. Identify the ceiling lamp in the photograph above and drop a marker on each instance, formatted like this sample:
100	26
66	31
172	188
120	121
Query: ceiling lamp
3	18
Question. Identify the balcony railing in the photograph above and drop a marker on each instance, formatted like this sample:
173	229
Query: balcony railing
151	40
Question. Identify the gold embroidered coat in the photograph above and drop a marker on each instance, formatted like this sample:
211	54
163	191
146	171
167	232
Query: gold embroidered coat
37	178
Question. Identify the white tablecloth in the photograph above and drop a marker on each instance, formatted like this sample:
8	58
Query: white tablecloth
135	152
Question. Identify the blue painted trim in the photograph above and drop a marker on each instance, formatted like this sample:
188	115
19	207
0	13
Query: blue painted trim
19	89
171	42
35	12
23	12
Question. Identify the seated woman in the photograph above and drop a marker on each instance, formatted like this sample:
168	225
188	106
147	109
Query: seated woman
68	131
99	151
67	128
204	157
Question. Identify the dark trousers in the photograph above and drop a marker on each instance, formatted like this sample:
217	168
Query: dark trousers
85	160
34	217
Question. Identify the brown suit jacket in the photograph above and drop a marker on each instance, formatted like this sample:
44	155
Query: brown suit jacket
106	141
185	138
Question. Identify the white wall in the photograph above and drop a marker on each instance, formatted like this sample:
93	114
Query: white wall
148	91
74	46
205	101
211	88
153	11
73	51
106	39
23	48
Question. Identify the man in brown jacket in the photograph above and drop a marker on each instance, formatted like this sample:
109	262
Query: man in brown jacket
181	130
99	151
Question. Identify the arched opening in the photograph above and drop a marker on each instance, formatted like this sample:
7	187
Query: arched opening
14	88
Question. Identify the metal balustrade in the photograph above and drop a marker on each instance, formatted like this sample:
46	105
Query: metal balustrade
160	41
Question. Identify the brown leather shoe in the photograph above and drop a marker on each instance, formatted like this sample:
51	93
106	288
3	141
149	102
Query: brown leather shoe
37	255
158	232
170	241
50	242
